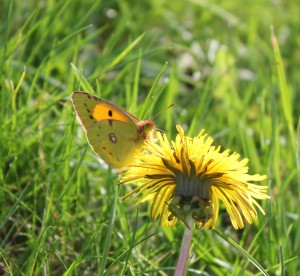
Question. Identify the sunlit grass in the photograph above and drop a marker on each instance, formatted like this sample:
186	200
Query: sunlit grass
60	210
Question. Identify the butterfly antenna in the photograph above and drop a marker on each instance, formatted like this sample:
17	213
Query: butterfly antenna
160	130
165	109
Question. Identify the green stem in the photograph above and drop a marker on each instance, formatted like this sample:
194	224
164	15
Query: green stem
185	248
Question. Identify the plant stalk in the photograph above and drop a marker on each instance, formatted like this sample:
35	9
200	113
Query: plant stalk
185	248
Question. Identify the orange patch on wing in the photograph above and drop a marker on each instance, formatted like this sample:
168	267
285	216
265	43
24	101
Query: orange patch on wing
104	112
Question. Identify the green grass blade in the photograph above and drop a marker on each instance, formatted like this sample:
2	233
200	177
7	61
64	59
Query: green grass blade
82	80
284	90
109	233
242	252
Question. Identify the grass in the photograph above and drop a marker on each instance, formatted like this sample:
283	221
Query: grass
225	70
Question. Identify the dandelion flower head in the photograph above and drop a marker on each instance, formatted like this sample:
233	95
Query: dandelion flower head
189	176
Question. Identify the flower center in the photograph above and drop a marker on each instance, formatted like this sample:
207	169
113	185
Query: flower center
188	186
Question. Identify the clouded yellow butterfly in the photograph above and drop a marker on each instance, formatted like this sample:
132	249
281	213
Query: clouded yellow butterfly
113	133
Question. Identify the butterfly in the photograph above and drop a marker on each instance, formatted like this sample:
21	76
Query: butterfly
114	134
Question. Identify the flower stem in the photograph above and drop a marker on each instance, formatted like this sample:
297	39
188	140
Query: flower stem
185	248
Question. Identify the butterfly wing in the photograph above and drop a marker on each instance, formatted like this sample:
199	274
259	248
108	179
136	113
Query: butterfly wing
112	132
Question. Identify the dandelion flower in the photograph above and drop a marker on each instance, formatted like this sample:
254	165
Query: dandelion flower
189	176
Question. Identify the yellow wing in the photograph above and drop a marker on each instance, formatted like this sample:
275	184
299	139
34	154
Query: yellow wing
113	133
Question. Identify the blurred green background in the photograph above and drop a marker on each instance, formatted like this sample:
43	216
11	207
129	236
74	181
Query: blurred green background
61	211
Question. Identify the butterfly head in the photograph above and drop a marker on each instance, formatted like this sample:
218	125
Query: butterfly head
145	129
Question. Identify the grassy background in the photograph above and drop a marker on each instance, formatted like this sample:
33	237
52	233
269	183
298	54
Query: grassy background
60	210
